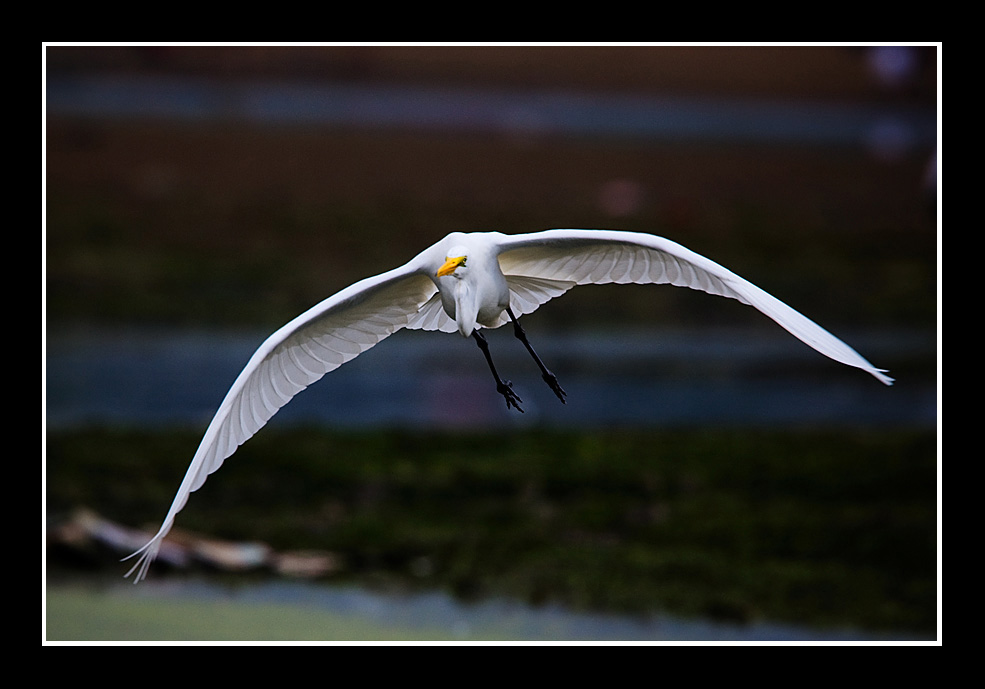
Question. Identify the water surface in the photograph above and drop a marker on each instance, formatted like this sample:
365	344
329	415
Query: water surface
641	378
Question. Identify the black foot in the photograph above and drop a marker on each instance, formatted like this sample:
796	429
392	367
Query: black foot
551	380
512	399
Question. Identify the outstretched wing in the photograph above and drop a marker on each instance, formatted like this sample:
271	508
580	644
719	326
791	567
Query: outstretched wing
318	341
545	264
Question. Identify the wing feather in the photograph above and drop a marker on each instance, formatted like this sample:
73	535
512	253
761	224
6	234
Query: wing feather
313	344
603	256
432	316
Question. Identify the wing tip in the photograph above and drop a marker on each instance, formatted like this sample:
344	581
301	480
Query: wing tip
147	555
879	373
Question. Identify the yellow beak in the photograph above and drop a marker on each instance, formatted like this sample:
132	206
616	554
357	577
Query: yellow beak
451	265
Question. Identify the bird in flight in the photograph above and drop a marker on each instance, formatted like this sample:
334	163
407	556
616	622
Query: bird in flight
466	282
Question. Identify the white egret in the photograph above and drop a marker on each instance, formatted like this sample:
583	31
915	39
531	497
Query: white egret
464	282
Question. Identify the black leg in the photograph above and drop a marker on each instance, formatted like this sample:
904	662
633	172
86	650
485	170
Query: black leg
504	389
549	377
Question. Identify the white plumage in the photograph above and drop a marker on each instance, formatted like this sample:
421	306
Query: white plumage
463	282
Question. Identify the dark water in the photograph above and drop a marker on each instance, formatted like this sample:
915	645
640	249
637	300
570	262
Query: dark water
522	113
653	378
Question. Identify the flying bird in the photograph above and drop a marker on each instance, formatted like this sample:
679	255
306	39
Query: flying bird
466	282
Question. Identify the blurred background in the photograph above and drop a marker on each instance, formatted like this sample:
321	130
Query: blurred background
710	476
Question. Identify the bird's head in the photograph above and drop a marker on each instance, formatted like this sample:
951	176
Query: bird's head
455	260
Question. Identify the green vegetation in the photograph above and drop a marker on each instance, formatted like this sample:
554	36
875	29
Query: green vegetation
78	613
822	528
